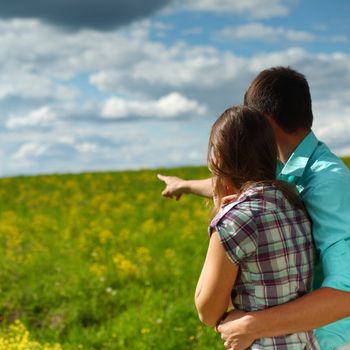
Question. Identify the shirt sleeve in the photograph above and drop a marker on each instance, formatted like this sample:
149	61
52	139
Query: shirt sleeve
329	208
238	235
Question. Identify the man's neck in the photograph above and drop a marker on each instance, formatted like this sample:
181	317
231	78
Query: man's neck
287	143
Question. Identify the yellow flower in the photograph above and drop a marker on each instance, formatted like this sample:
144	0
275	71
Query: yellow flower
169	253
191	338
123	235
16	337
104	236
40	220
145	330
143	255
148	225
124	265
140	197
98	269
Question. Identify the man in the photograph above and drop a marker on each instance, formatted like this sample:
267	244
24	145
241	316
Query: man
282	95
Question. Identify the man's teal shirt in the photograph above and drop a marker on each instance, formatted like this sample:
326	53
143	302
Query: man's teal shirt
323	182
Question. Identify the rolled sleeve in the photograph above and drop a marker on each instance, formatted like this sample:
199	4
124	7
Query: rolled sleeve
336	266
329	209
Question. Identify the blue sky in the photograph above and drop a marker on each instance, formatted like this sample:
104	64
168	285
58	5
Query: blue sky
135	84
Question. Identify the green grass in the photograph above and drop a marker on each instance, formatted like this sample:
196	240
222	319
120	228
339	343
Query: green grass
102	261
347	161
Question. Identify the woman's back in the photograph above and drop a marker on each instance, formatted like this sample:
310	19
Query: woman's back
271	242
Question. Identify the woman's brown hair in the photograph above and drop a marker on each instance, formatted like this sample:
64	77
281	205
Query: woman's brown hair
242	151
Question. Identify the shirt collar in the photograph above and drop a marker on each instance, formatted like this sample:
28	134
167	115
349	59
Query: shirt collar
299	158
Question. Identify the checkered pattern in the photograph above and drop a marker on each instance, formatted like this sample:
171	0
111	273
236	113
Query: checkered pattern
271	242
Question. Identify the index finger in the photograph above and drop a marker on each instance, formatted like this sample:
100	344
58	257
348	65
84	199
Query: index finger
161	177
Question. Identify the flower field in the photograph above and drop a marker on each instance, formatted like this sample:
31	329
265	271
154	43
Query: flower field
101	261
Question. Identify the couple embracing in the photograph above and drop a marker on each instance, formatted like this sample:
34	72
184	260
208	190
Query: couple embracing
279	247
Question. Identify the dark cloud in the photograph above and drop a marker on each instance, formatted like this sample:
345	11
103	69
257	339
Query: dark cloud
74	14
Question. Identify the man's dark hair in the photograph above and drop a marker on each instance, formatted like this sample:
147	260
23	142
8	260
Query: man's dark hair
283	94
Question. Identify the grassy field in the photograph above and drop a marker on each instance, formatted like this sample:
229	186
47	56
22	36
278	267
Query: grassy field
101	261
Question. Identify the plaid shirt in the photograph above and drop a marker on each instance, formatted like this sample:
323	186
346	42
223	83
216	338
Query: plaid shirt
271	242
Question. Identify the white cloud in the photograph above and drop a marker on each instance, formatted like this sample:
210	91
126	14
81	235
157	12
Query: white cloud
161	28
338	39
332	123
43	116
117	146
265	33
250	8
262	32
179	66
29	150
343	152
38	59
169	106
143	75
87	147
218	78
66	140
25	84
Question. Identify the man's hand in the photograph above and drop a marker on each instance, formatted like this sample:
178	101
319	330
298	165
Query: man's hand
174	186
234	331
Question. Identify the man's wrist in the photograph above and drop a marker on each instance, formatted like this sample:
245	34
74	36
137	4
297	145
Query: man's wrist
252	327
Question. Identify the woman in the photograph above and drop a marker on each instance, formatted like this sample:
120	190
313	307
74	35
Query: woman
260	252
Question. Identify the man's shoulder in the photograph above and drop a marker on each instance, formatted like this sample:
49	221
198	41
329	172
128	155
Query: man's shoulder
326	168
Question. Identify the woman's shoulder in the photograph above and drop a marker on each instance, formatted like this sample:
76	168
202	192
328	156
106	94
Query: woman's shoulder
254	204
246	207
262	198
267	198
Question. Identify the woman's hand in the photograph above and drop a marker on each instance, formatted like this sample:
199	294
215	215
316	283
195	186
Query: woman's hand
229	199
224	201
174	186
